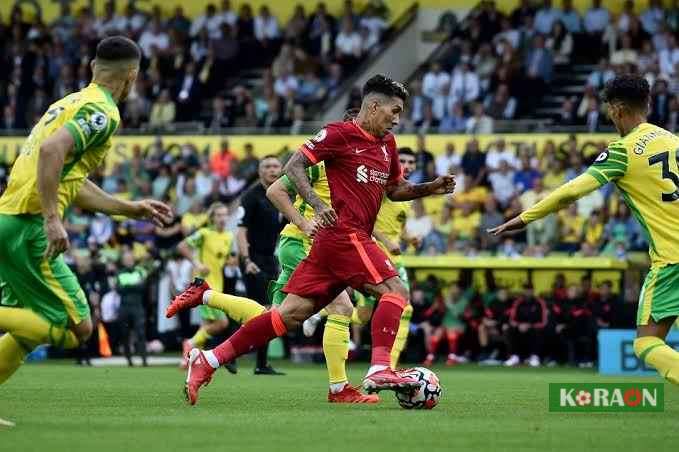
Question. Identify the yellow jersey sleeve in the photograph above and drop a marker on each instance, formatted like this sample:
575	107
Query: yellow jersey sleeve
91	126
610	165
196	239
561	197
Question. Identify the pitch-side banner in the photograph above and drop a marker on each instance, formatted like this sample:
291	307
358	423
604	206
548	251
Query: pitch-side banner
124	145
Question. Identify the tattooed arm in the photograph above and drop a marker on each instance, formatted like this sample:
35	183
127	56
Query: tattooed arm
295	169
402	190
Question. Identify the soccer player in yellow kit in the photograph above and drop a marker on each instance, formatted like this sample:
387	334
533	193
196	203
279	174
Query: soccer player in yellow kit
644	165
208	249
42	302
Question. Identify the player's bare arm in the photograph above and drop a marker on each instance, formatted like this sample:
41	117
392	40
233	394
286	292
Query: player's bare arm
244	250
92	198
557	200
402	190
280	197
53	153
295	169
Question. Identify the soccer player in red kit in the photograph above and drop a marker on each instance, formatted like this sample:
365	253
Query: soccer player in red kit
362	164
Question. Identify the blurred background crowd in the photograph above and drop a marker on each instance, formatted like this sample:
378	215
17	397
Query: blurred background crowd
543	62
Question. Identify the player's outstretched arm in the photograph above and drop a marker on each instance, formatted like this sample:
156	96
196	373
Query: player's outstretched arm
279	194
558	199
402	190
91	197
295	169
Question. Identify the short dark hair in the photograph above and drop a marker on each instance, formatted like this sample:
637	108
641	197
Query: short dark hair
118	48
382	84
630	89
406	151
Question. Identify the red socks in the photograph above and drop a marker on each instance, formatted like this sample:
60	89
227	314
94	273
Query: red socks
252	335
434	342
384	327
453	341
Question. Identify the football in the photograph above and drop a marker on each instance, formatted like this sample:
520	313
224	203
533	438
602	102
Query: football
427	396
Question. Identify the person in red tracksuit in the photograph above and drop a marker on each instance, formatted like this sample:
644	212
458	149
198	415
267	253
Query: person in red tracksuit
525	335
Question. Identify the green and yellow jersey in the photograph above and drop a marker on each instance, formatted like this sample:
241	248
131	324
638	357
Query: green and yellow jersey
91	116
644	165
213	248
391	220
319	182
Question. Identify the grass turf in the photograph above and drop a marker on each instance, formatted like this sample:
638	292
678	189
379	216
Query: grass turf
59	407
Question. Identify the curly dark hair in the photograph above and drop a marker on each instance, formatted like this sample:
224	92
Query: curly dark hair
629	89
382	84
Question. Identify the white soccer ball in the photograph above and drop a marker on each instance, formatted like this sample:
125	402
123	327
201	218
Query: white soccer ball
428	394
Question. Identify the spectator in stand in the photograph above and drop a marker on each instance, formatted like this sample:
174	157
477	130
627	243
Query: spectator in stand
626	54
499	152
110	23
286	84
454	120
593	230
464	86
479	122
501	105
446	162
310	90
221	162
425	170
502	183
435	81
660	104
669	57
267	31
188	94
294	29
420	225
525	9
570	17
179	22
545	17
597	18
473	164
653	17
560	43
227	14
162	111
525	334
490	218
154	39
571	226
373	22
333	80
626	17
210	21
321	43
348	44
589	98
566	116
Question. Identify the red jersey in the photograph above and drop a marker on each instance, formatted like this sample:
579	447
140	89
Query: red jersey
359	166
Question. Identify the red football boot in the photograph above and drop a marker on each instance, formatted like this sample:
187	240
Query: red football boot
352	395
191	297
199	374
186	349
389	380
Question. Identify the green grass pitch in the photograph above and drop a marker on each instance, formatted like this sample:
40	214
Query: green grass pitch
60	407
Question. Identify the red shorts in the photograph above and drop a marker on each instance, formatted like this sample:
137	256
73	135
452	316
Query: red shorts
339	258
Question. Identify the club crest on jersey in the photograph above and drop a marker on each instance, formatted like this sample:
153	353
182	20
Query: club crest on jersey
98	121
602	157
362	174
384	151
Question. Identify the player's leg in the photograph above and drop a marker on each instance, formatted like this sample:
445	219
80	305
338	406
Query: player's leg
336	351
404	322
12	354
657	311
435	338
453	335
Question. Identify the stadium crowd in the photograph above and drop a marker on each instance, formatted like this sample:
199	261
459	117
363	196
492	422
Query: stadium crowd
499	66
189	69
